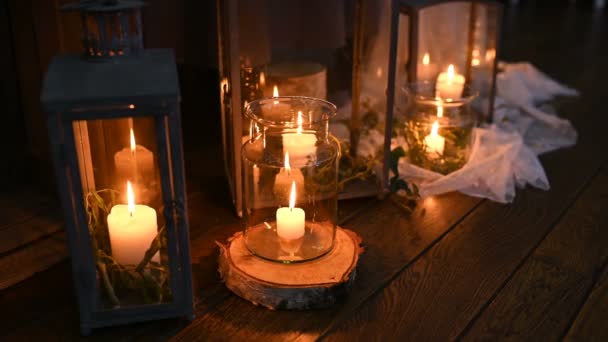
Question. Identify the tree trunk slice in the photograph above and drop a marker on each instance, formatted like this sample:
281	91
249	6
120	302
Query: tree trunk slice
309	285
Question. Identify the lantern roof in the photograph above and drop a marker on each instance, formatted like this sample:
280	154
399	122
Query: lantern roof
149	77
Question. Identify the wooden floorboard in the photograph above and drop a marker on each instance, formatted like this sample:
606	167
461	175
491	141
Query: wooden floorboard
50	315
542	298
590	324
438	295
391	238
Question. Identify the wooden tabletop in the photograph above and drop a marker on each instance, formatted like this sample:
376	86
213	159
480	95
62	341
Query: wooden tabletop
456	267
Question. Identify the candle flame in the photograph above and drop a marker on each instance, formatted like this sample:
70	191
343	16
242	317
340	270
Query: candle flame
262	79
435	128
475	60
275	93
440	111
292	196
300	121
426	59
490	55
130	199
450	72
132	138
287	165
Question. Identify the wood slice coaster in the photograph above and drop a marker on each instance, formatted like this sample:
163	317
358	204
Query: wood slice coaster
314	284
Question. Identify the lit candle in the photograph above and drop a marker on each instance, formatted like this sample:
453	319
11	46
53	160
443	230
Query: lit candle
285	177
134	160
291	221
450	84
262	80
275	93
426	70
132	228
475	61
298	144
434	142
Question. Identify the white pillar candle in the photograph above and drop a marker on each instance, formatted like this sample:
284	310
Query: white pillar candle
132	228
300	145
427	71
450	84
134	161
434	142
291	221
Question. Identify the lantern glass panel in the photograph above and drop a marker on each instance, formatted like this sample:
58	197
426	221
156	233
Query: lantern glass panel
119	171
336	51
290	169
466	42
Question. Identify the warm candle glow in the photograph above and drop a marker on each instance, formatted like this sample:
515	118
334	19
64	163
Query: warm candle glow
300	121
426	59
450	73
292	196
130	199
490	55
439	111
262	79
435	128
275	93
434	142
132	138
379	72
131	235
450	84
287	166
475	58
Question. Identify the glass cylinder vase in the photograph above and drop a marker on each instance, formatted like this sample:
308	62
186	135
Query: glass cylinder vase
438	129
290	172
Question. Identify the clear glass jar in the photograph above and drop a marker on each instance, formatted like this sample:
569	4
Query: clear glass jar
290	172
438	130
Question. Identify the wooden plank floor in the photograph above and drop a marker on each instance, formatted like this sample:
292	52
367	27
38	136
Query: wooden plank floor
455	268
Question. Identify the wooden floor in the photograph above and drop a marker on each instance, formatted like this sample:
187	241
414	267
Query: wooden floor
456	268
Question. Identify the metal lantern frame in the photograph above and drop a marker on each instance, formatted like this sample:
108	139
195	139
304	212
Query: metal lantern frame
78	89
232	94
412	9
235	82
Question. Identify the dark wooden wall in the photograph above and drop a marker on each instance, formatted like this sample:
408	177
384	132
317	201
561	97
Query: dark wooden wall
33	31
12	138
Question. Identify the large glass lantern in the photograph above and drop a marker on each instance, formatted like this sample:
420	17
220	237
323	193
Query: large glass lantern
290	171
452	44
337	51
114	126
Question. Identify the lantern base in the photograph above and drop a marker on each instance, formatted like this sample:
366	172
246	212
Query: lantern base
309	285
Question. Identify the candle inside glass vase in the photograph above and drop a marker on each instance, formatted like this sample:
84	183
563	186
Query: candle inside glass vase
291	221
450	84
